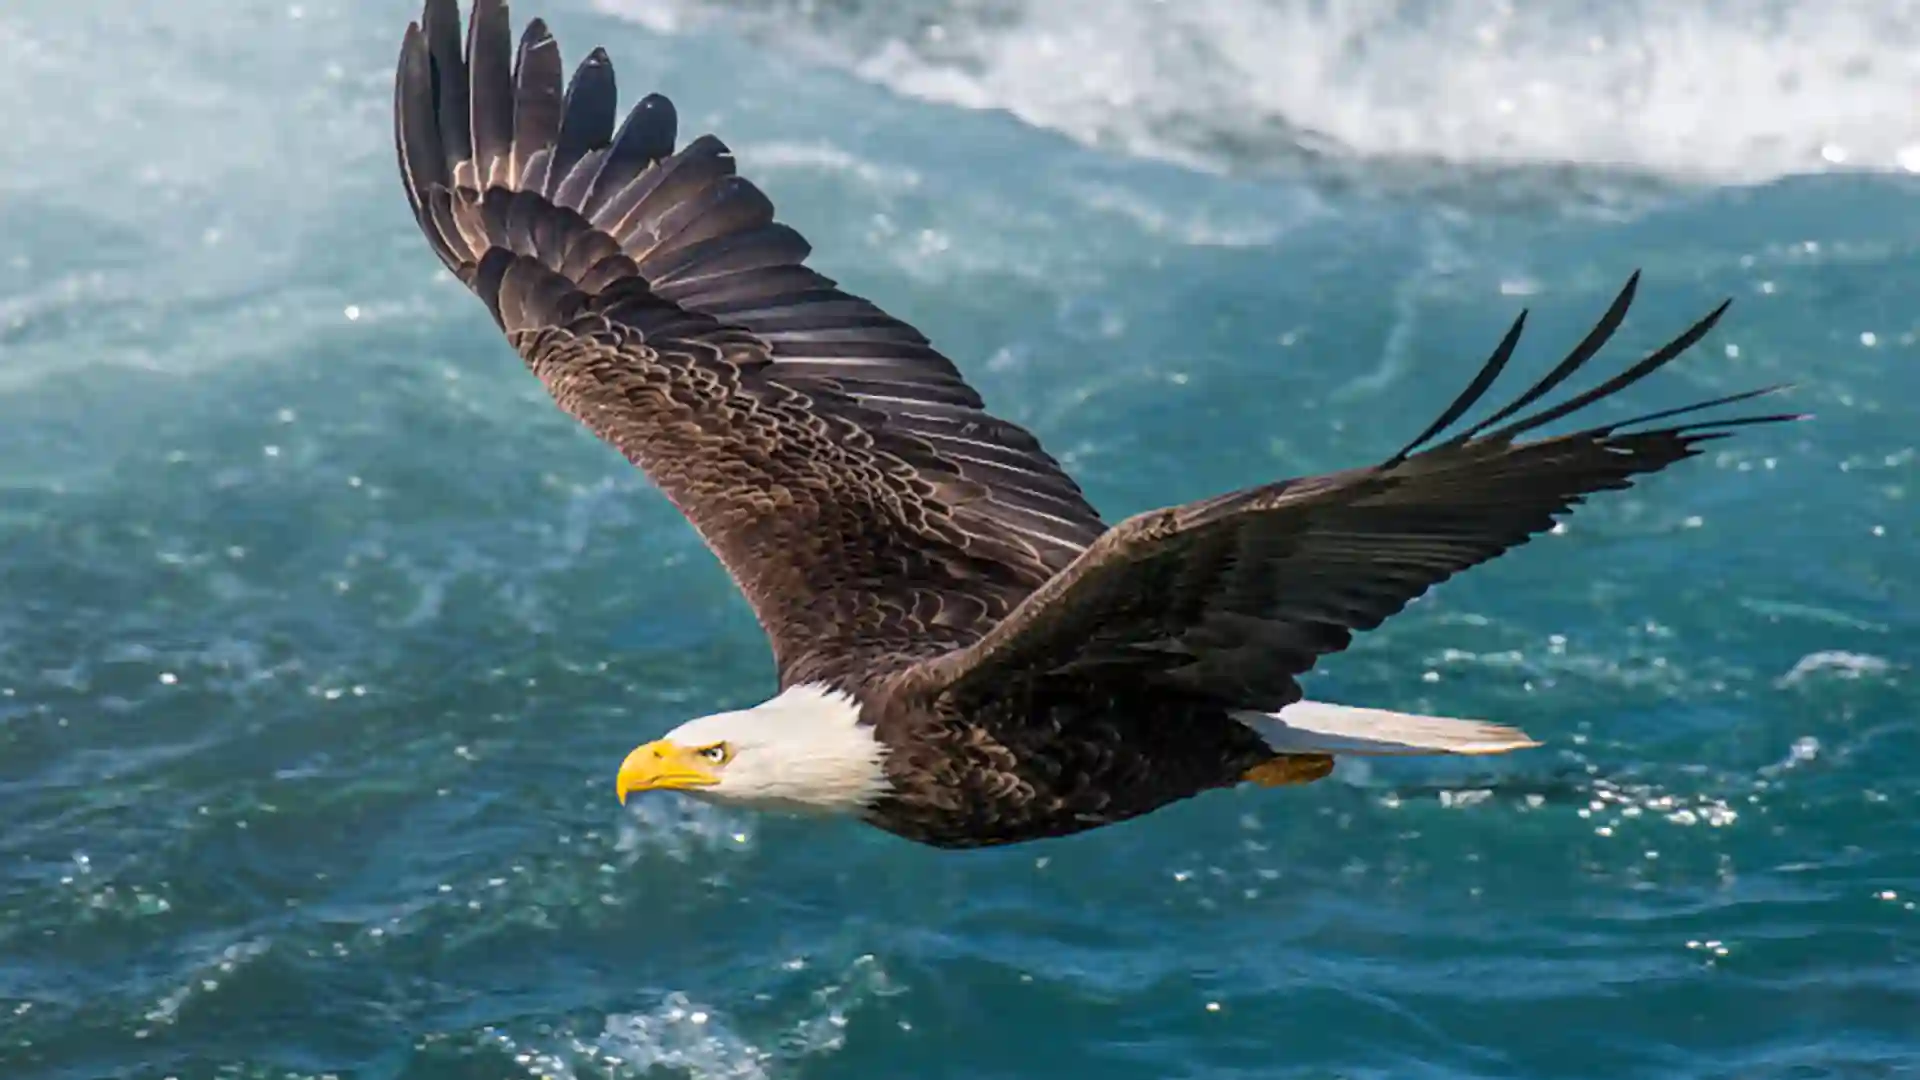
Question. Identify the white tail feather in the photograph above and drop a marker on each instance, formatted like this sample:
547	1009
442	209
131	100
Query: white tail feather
1316	727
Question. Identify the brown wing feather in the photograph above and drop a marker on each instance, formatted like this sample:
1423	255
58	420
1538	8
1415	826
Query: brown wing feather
839	466
1234	597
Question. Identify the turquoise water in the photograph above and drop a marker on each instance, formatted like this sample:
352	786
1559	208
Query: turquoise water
325	630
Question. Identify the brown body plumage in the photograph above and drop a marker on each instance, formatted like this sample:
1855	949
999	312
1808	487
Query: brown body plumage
1028	670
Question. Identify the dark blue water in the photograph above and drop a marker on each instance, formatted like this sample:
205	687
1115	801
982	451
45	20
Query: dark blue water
324	631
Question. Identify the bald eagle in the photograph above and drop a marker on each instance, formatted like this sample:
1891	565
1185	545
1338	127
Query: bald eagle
967	654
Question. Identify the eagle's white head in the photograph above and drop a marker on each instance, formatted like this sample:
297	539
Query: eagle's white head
804	750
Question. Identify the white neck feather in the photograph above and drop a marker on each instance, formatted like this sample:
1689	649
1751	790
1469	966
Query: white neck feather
804	750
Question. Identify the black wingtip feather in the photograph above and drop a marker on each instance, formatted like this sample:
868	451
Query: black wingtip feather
1586	350
537	104
1474	391
489	86
586	117
1698	406
1659	358
1588	347
447	66
418	152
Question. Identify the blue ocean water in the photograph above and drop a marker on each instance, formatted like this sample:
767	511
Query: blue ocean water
324	631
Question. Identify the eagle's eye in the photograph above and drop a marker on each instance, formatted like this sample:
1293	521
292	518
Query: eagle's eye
717	753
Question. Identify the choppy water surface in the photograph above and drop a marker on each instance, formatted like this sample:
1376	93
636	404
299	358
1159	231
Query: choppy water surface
325	631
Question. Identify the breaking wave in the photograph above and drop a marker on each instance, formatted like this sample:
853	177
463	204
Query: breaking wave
1738	91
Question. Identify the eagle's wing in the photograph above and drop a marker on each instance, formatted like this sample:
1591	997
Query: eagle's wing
1234	597
838	466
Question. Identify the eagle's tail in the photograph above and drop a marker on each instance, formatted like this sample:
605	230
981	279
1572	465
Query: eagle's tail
1316	727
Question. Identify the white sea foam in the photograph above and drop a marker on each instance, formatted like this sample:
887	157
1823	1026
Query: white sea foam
1732	91
702	1041
1834	663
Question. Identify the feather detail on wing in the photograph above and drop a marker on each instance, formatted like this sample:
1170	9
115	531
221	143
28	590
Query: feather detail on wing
1235	596
837	464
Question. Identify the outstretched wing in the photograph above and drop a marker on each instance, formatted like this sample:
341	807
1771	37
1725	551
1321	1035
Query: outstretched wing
838	465
1234	597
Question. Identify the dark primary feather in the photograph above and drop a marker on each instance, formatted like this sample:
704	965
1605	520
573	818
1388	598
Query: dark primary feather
839	466
1235	596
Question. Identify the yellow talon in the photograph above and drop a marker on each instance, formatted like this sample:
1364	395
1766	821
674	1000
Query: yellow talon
1288	769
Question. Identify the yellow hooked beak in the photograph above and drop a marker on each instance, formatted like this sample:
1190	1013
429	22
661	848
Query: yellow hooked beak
664	765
